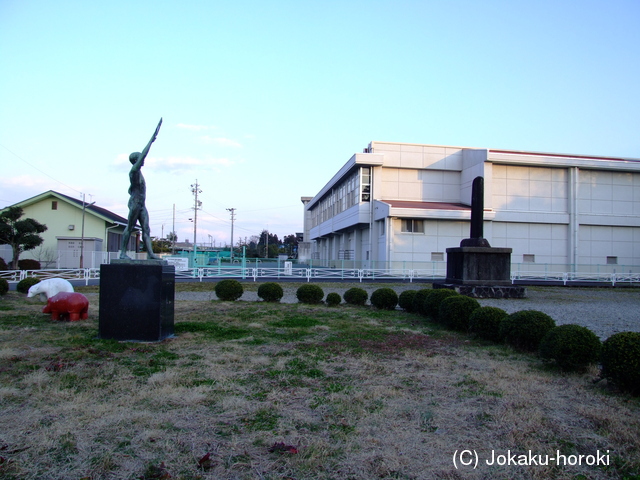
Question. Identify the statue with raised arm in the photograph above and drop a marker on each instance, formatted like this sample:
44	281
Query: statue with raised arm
137	195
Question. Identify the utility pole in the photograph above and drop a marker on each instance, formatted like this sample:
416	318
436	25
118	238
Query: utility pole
84	206
173	232
233	217
195	189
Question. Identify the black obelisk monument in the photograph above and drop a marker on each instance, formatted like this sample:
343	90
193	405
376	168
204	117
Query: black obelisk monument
475	268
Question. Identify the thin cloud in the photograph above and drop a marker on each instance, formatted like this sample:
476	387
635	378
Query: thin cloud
196	128
225	142
187	162
26	181
21	187
175	163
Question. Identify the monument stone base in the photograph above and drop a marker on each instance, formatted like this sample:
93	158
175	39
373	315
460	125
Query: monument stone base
479	266
480	272
136	300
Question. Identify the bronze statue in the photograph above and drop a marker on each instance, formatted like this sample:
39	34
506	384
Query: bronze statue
138	193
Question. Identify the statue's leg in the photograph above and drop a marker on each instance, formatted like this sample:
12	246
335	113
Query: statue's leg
146	233
125	242
134	212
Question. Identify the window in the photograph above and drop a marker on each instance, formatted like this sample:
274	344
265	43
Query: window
411	225
346	255
437	256
612	260
366	184
529	258
54	205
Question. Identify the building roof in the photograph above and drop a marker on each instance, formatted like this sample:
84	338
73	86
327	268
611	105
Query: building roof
94	209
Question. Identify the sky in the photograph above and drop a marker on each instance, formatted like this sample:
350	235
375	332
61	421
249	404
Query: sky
264	101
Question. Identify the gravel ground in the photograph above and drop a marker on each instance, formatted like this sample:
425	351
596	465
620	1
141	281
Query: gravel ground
604	310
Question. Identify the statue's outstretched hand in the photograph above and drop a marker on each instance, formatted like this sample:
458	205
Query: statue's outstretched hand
157	129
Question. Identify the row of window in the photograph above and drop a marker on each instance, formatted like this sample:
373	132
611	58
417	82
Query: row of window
354	189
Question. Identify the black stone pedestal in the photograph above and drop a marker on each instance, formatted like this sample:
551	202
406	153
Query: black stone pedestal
479	266
480	272
136	300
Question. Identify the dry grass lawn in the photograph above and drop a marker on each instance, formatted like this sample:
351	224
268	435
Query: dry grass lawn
251	390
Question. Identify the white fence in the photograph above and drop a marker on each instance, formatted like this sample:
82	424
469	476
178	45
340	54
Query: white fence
308	274
84	274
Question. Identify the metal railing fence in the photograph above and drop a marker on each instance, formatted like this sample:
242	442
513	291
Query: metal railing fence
430	271
83	274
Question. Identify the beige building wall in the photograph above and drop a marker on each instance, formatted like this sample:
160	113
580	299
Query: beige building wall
60	221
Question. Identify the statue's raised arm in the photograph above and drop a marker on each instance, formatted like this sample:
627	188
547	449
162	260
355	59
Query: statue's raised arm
153	138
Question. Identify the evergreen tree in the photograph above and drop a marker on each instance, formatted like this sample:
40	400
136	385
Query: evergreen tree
22	235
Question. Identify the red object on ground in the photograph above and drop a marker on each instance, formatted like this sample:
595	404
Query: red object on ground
74	305
280	447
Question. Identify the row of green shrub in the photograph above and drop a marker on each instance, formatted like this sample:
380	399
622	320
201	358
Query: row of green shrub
383	298
24	264
570	347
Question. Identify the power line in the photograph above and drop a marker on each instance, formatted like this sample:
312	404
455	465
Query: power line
42	172
271	208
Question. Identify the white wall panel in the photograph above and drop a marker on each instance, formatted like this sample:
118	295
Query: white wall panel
532	189
598	242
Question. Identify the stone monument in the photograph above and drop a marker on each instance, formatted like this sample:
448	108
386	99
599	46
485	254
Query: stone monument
137	296
475	268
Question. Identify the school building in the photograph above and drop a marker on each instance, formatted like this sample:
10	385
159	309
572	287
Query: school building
399	205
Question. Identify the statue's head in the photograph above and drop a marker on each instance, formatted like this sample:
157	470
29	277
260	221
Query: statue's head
133	158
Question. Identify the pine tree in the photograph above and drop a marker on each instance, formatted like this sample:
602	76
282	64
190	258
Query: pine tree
22	235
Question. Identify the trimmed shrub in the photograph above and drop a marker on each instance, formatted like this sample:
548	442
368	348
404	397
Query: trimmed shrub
333	299
26	283
431	304
28	264
4	286
455	311
525	329
572	347
229	290
270	292
485	322
384	298
418	300
3	265
309	294
355	296
405	300
621	361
